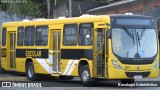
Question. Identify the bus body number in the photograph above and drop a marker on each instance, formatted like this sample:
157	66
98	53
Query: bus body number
4	53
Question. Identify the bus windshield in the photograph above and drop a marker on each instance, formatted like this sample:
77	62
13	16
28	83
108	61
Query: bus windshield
134	43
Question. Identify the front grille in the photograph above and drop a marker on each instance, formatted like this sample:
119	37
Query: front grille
137	62
132	74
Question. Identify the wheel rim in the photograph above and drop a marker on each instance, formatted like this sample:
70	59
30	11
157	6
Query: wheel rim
85	76
30	71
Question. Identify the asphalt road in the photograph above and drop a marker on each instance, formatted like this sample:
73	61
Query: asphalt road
72	85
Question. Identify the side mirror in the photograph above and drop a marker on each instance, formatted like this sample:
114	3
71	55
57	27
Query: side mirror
109	33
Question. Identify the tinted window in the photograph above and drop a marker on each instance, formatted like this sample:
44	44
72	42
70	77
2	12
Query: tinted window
70	34
85	34
42	35
4	37
20	36
29	36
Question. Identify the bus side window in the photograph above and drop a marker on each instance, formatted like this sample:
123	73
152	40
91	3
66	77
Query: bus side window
70	34
20	36
4	34
85	34
29	35
41	36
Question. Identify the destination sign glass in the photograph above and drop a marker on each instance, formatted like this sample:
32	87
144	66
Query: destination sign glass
126	21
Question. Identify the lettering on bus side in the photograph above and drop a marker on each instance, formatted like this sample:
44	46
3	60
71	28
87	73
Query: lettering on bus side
3	53
34	53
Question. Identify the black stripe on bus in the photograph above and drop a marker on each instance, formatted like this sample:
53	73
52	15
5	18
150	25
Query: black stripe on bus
34	53
3	52
76	54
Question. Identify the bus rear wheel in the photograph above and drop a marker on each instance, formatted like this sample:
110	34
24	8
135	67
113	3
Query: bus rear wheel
30	72
85	76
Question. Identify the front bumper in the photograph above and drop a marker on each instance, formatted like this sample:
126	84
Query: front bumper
122	74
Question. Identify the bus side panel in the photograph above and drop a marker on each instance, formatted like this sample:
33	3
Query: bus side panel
65	65
4	63
69	67
41	66
20	64
76	69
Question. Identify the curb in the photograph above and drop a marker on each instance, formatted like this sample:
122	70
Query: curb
13	79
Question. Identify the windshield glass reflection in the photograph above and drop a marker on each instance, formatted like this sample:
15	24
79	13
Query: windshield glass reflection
134	43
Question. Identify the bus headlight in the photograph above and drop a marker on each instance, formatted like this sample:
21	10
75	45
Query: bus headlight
116	65
156	65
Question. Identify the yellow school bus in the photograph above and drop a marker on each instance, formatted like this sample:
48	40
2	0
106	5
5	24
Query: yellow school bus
116	47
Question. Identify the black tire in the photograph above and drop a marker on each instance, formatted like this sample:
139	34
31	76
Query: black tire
30	72
65	77
85	76
129	81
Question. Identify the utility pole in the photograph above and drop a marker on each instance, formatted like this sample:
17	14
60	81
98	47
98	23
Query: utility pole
70	8
48	8
55	2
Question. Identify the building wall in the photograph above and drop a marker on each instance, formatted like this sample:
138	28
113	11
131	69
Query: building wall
142	7
77	8
60	11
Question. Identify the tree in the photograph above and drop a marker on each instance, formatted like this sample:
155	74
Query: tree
48	8
29	8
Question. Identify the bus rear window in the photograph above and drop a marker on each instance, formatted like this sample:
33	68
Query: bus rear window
4	37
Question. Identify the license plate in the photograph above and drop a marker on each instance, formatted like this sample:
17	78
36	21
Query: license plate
137	76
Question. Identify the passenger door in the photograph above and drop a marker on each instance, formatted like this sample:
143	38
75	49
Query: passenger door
56	37
12	51
99	52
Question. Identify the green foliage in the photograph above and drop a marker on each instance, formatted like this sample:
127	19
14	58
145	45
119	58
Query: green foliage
22	9
32	8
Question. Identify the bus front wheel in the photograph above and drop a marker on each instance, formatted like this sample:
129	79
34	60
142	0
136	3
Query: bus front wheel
85	76
30	72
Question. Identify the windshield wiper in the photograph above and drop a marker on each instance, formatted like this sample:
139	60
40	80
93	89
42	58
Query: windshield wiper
137	35
129	33
142	33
